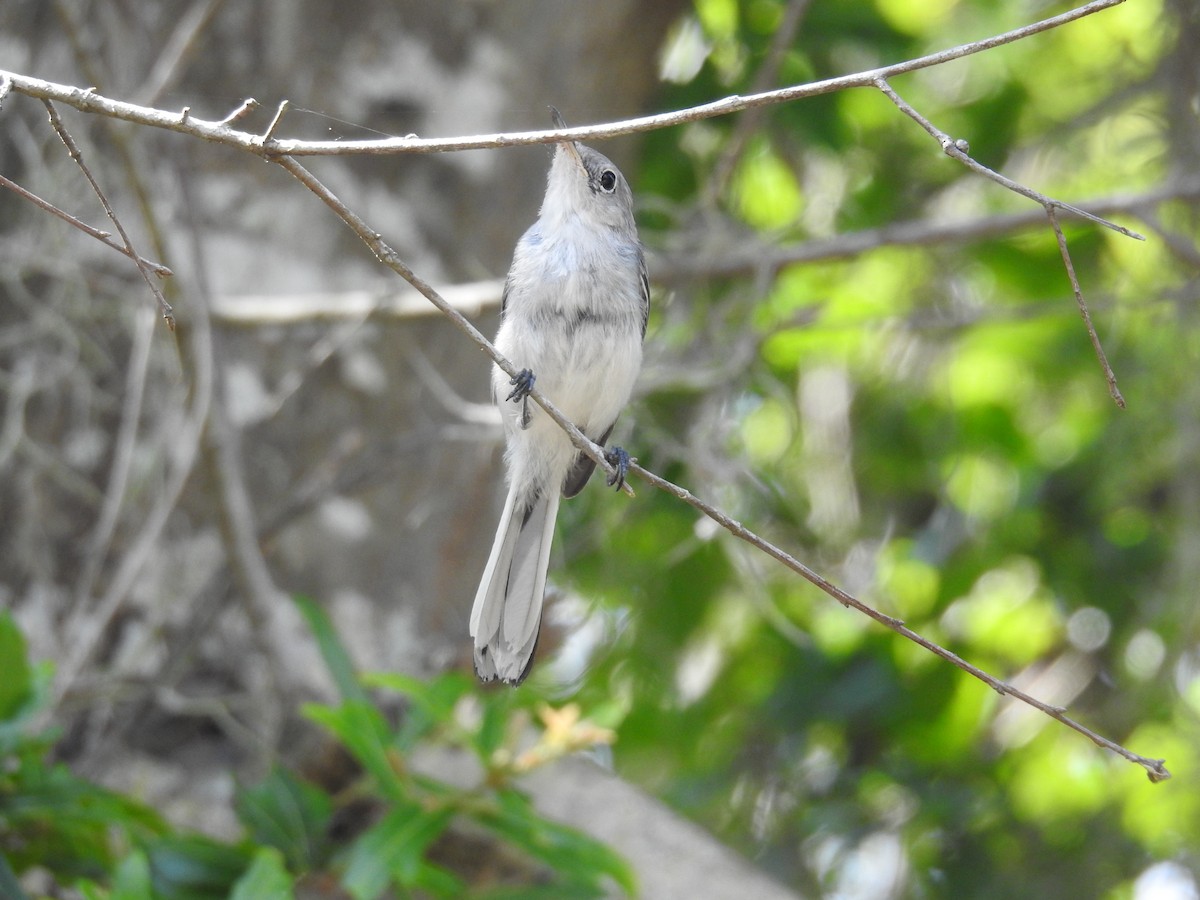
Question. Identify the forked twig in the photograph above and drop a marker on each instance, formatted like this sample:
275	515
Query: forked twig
102	236
221	132
958	149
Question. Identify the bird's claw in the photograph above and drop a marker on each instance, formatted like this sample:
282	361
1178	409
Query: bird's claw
522	386
619	460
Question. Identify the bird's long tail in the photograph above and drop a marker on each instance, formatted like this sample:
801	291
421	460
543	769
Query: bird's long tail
507	614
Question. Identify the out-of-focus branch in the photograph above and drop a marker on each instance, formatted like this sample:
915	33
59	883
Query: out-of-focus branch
753	256
781	43
178	49
87	626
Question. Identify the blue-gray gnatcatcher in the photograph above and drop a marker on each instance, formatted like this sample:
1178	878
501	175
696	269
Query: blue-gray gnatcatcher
573	316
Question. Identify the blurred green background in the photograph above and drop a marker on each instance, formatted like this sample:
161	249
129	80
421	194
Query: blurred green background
872	357
929	427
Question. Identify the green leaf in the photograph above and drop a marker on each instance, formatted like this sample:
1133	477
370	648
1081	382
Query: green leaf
392	848
288	814
333	651
66	823
266	879
132	879
362	728
17	682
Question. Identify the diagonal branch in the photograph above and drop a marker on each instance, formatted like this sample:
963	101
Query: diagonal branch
1155	768
958	149
1109	376
102	236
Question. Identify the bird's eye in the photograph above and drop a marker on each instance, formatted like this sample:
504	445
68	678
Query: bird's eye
608	181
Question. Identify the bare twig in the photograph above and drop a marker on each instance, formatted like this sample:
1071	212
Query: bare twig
88	626
269	134
1109	375
164	308
958	150
102	236
248	106
220	132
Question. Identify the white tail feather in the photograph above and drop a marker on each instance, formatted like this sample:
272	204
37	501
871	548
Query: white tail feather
507	613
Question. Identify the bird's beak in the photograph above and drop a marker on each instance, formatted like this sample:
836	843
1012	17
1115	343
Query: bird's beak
570	147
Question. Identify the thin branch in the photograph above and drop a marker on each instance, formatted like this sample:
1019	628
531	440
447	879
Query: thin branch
122	457
269	134
1155	768
87	628
248	106
103	236
958	150
220	132
179	48
1109	376
164	308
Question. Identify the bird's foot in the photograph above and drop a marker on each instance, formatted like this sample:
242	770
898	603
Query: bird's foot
522	385
619	460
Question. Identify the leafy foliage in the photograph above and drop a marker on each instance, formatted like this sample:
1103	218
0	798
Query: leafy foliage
110	847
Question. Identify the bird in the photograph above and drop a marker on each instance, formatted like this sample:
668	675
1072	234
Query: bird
573	319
